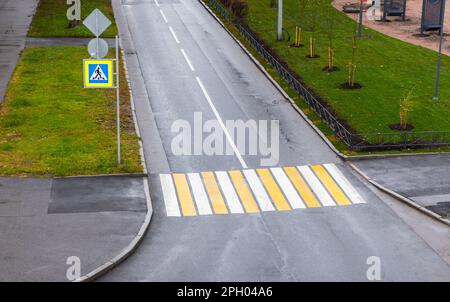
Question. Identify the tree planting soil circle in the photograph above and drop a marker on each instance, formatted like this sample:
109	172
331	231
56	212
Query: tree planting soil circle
334	69
398	127
347	86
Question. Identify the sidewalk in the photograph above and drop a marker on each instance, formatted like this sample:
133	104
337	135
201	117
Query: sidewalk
408	30
15	18
45	221
57	41
424	179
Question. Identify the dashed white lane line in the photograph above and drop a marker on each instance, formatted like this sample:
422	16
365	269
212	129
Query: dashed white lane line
208	98
174	35
229	193
222	125
164	16
187	59
170	196
316	186
201	199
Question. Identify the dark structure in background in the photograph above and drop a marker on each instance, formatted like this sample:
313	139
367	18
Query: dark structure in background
394	8
432	15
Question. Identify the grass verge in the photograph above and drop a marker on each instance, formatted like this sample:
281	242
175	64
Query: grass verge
310	113
50	19
386	67
51	126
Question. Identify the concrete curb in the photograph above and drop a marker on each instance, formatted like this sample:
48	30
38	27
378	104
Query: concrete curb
134	244
103	175
399	197
376	156
344	157
133	110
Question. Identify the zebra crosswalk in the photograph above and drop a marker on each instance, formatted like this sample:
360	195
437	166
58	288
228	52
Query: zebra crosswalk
260	190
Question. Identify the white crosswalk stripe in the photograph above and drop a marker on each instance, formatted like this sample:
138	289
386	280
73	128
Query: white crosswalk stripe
260	194
316	186
344	183
230	194
170	196
200	197
288	189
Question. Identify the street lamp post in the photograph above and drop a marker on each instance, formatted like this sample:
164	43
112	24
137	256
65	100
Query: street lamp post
361	7
280	21
441	41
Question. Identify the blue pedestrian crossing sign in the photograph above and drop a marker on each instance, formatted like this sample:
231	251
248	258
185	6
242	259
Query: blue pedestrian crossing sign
98	73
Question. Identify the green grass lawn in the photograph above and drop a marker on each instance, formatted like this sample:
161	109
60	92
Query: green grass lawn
51	21
51	125
386	67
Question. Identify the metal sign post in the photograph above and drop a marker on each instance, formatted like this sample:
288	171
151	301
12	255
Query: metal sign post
361	9
118	100
280	21
98	73
441	41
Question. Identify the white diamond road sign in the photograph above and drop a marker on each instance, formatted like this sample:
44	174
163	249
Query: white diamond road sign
96	22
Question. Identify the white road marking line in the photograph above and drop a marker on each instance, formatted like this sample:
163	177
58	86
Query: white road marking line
343	182
258	190
229	193
288	189
157	3
174	35
170	196
222	125
200	197
316	186
187	59
164	16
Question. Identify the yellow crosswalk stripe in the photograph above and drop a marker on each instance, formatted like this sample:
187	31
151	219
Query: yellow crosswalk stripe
302	188
184	195
244	192
331	185
214	194
273	190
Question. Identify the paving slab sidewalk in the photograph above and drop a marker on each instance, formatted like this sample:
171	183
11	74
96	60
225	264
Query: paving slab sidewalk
45	221
424	179
15	19
61	41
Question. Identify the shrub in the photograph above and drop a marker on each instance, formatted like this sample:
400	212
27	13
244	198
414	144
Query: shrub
405	109
238	7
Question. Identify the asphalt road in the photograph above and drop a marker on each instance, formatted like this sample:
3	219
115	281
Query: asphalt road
190	64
